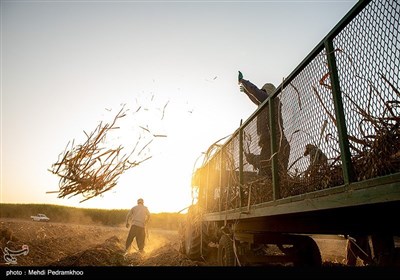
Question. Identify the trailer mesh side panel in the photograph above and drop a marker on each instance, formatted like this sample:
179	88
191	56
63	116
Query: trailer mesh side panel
296	142
314	161
219	178
368	58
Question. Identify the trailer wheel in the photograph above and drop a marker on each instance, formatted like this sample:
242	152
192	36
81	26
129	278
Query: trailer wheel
226	255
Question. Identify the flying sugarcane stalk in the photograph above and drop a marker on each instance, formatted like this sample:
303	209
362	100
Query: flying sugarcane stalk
90	169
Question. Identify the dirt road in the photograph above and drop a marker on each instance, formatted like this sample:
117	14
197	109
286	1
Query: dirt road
67	244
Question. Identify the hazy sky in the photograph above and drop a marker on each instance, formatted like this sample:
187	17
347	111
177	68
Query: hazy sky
67	65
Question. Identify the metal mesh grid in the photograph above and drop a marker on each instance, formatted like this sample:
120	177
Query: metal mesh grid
309	124
221	190
250	146
257	185
213	182
368	61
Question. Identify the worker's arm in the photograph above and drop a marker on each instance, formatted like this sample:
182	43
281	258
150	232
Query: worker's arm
128	217
147	216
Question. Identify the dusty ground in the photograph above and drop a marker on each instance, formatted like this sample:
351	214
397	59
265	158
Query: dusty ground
67	244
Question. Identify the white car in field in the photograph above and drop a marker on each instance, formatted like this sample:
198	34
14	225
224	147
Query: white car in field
40	218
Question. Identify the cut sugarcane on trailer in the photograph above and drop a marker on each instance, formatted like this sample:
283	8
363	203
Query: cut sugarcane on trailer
341	117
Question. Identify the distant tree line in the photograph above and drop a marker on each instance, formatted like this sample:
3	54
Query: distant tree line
65	214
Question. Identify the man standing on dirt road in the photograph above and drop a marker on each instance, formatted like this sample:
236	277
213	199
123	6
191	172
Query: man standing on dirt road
137	218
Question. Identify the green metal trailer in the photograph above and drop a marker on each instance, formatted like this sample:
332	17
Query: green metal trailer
335	155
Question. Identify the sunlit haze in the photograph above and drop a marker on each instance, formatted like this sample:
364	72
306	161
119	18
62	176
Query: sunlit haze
67	65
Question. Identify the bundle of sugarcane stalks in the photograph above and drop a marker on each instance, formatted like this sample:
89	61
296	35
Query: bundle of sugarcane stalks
91	169
380	152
